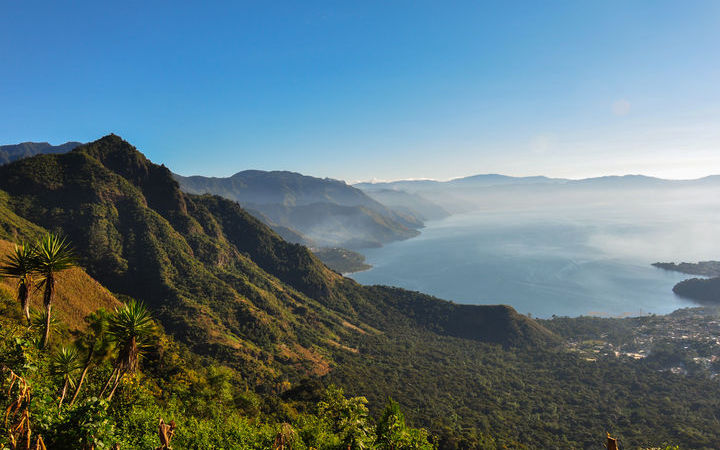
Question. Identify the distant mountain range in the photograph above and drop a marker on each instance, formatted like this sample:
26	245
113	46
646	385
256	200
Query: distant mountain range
324	212
313	211
480	191
496	180
10	153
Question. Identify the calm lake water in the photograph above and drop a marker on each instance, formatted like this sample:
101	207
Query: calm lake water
571	262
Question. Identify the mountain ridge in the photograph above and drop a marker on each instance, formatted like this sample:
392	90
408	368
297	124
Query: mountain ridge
14	152
233	292
306	204
218	278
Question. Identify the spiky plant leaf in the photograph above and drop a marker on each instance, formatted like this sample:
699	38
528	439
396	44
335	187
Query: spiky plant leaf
130	328
21	264
65	363
53	254
38	319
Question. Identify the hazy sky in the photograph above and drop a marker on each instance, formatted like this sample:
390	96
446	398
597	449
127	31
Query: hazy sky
362	89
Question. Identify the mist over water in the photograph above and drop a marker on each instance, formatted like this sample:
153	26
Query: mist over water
554	256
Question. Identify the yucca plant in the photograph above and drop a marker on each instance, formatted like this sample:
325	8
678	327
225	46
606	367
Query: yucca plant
96	345
65	364
131	327
21	265
39	320
52	255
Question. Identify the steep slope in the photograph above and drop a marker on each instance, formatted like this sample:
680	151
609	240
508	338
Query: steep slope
311	206
10	153
198	277
329	224
77	293
218	278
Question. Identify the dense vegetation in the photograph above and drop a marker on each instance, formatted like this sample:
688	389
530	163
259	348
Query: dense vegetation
342	260
87	392
705	291
258	329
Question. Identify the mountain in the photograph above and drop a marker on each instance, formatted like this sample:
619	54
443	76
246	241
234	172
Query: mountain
218	279
482	192
330	224
482	180
234	293
325	212
10	153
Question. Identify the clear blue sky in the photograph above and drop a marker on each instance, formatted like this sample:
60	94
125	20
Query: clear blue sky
358	90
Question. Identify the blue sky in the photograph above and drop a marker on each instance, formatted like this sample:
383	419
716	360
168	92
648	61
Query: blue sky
362	90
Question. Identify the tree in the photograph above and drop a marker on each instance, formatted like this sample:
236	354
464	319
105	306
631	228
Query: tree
21	265
347	417
130	329
53	255
65	364
394	434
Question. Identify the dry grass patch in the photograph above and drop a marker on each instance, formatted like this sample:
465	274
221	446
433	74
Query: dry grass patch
77	294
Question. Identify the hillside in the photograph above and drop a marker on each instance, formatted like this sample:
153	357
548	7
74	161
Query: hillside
705	291
77	294
311	206
10	153
218	279
232	292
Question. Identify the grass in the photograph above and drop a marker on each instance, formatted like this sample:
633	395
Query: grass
77	293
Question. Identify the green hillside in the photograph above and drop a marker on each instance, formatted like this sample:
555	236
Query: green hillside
233	296
217	278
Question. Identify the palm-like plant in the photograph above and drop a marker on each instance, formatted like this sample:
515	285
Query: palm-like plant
95	344
65	364
21	265
130	329
39	319
52	255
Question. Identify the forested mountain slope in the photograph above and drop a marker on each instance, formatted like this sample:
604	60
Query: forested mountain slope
311	206
218	279
235	293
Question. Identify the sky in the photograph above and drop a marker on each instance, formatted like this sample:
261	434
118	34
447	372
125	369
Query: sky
373	90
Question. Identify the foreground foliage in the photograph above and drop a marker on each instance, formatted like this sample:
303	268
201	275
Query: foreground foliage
209	405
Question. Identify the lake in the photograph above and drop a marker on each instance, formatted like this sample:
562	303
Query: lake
593	260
